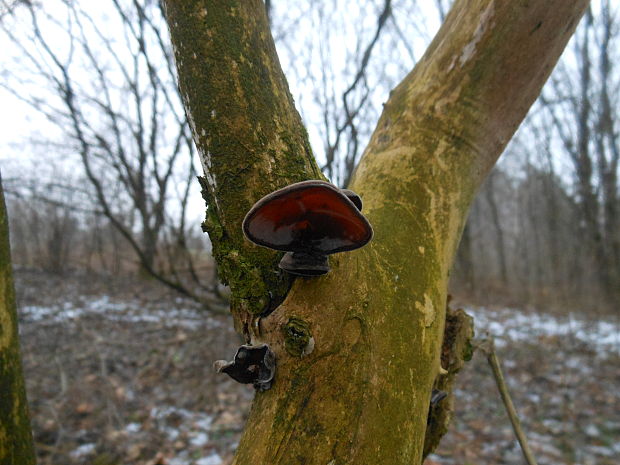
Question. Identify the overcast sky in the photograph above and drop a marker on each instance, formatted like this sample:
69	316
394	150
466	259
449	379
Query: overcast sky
299	31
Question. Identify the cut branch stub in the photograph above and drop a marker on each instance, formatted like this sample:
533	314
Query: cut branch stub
309	220
252	365
298	340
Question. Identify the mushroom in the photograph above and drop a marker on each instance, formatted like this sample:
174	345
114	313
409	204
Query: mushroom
252	364
308	220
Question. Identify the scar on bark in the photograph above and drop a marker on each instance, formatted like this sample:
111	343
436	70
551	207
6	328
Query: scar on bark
456	350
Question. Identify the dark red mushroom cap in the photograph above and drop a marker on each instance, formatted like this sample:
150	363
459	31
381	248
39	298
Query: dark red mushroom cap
309	216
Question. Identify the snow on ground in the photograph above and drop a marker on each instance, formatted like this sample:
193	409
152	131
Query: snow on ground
175	422
562	370
129	311
83	450
504	324
517	325
195	424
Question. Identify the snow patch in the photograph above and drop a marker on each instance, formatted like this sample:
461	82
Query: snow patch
199	439
133	428
83	450
196	425
213	459
131	311
515	325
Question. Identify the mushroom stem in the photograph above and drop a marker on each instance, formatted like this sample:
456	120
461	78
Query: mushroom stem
304	263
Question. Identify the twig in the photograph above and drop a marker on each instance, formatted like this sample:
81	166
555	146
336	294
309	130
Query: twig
488	347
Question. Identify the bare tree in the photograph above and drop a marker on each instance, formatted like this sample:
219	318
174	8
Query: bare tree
500	247
7	7
113	100
564	173
341	84
580	106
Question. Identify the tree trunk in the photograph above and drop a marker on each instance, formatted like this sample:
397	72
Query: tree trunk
608	154
16	446
500	245
466	260
377	319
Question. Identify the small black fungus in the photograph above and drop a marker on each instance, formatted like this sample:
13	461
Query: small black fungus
252	365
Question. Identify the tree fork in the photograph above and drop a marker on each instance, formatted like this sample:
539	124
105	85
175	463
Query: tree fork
359	394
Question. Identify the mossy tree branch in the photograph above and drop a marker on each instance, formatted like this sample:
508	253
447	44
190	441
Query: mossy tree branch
250	136
16	447
360	392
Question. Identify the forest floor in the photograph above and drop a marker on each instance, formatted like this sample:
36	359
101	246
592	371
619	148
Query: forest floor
120	372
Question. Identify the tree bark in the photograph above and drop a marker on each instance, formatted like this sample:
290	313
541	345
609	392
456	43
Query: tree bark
250	138
465	258
374	324
16	447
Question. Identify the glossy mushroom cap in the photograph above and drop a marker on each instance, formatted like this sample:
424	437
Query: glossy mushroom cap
312	217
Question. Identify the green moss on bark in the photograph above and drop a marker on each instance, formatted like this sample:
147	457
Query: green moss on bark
250	137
